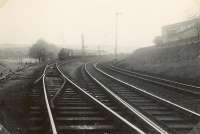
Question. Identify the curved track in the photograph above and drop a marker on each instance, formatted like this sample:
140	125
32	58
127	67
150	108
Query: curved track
182	87
75	112
114	102
170	116
40	116
60	106
176	92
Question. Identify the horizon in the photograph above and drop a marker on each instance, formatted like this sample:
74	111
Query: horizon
62	22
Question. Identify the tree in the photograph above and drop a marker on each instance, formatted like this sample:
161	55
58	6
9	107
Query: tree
42	51
64	53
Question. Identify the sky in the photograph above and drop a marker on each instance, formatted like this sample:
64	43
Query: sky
63	21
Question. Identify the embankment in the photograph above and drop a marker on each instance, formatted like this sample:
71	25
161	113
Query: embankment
181	63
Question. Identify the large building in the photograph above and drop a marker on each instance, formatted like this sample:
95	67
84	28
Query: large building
187	30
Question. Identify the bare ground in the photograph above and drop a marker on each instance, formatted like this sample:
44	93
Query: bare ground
13	97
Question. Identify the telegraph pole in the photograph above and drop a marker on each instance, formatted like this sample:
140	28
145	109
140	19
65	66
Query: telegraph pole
116	34
83	45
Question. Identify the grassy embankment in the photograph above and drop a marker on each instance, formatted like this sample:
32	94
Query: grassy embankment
181	63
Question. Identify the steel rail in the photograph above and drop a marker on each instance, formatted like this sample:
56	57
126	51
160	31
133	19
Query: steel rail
156	82
38	79
131	108
150	94
135	128
57	93
153	81
53	127
166	80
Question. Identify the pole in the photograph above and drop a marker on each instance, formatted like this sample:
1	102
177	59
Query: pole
83	45
116	34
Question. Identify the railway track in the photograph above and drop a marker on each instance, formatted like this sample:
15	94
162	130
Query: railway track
180	95
60	106
116	103
182	87
75	112
40	116
168	115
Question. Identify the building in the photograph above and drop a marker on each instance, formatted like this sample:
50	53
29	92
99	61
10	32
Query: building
182	31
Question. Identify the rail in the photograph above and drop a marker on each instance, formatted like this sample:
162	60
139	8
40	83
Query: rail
156	80
131	108
52	123
150	94
57	93
135	128
149	76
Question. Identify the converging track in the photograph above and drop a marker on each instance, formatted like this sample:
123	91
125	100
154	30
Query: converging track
114	102
60	106
165	114
101	104
75	112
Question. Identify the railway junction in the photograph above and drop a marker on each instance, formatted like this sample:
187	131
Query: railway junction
100	98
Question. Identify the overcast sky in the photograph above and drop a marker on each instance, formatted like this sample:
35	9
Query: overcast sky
63	21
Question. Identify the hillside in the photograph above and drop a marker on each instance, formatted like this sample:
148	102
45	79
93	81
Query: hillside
180	63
